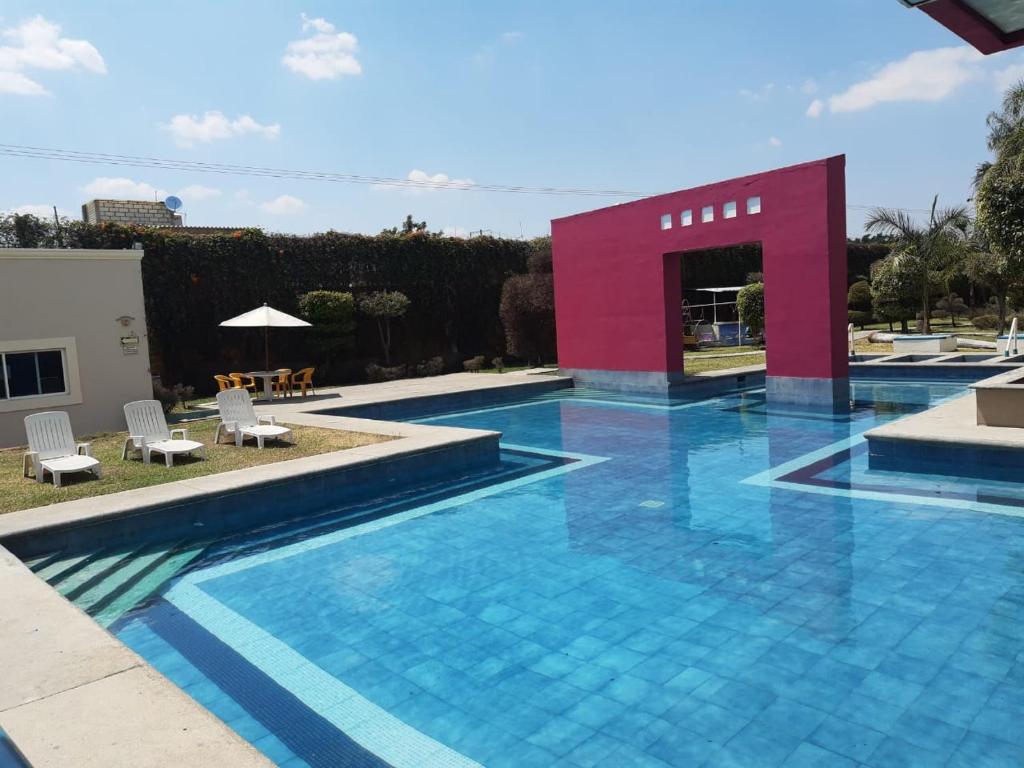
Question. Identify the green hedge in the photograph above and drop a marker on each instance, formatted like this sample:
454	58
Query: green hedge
192	282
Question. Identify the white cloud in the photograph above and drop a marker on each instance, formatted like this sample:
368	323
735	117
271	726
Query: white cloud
809	87
437	180
20	85
325	55
37	44
426	182
775	141
1010	76
931	75
284	205
510	37
215	125
120	188
762	94
39	210
198	192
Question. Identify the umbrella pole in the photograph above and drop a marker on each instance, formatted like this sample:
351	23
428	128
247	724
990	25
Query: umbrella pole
266	348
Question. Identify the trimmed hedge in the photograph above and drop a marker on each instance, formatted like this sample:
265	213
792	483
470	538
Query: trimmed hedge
192	282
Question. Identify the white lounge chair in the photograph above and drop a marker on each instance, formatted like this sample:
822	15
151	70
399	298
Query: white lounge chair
238	418
148	432
52	448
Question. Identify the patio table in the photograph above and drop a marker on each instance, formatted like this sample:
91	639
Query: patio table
268	382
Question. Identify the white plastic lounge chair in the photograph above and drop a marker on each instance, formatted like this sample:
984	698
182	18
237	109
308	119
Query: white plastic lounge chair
148	432
52	448
238	418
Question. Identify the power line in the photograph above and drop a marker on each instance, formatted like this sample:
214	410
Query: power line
101	158
194	166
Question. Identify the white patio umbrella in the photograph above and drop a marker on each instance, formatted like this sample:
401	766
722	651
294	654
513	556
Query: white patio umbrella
265	317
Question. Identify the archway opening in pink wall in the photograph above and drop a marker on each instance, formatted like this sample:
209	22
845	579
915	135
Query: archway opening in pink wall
618	292
709	281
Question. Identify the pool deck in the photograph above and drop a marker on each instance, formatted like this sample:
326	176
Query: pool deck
947	439
73	694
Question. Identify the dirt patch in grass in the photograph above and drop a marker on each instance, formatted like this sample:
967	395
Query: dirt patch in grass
17	492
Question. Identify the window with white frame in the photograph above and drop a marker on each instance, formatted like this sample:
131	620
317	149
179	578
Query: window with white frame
729	210
686	218
753	205
666	221
32	373
707	214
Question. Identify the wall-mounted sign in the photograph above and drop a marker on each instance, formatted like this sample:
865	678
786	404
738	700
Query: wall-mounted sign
130	345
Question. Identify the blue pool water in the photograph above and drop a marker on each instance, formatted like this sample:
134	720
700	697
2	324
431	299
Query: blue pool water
642	583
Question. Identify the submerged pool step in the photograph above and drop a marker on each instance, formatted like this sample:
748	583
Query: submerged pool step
54	569
136	589
111	581
90	573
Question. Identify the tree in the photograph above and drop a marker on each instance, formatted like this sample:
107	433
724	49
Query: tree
409	227
858	303
992	270
384	306
750	306
999	185
952	305
527	307
332	314
893	293
929	252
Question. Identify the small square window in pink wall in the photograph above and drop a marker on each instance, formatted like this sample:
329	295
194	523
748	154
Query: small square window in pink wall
729	210
666	221
707	214
753	205
686	218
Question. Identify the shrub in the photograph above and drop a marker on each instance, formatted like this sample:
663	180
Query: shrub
858	302
384	306
170	397
378	373
474	364
499	364
528	315
432	367
986	322
750	305
332	314
859	318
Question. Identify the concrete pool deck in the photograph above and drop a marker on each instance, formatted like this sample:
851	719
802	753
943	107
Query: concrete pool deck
947	439
73	694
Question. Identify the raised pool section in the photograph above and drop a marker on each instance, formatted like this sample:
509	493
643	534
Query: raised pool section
639	581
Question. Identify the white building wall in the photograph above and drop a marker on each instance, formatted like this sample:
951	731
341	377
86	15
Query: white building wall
75	300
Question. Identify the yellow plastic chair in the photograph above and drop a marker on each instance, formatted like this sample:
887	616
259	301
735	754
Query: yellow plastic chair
303	380
223	382
243	382
282	384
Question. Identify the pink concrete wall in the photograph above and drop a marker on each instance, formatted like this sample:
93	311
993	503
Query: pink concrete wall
617	273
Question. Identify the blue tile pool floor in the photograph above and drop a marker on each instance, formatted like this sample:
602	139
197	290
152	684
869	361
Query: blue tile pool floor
650	583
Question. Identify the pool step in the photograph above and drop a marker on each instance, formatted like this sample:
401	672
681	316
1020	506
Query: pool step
54	570
110	581
132	591
94	571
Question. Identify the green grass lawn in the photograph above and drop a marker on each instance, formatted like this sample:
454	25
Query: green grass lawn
17	492
723	350
697	364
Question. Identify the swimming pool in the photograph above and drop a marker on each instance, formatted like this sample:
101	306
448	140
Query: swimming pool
641	582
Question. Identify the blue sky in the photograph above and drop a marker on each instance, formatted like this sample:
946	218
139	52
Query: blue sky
644	97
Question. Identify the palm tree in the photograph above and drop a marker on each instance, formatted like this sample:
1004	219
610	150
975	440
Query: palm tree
1005	131
927	252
